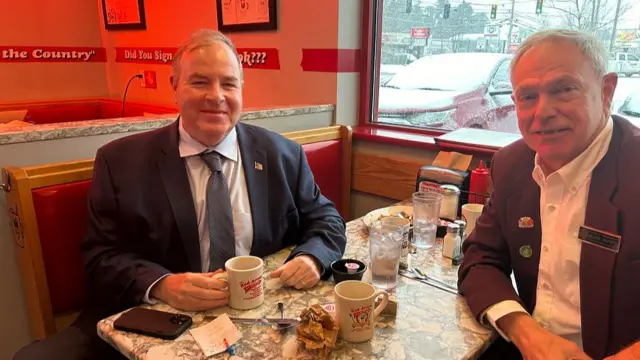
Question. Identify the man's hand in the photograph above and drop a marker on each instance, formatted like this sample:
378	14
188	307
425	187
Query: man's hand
535	342
192	291
302	272
630	353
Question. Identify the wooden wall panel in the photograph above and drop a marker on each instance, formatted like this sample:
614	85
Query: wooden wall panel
385	175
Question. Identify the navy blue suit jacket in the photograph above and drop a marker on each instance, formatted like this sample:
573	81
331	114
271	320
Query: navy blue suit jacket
142	222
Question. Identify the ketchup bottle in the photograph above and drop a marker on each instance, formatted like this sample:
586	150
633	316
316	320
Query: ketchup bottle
479	185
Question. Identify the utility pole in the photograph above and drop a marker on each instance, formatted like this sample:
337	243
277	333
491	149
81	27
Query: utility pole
615	26
596	20
513	11
593	16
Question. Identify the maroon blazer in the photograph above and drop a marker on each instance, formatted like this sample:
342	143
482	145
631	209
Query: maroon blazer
609	281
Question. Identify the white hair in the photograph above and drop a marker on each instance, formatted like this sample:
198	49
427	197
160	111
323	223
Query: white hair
199	39
589	45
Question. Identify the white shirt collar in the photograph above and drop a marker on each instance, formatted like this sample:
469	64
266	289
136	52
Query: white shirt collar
576	171
188	146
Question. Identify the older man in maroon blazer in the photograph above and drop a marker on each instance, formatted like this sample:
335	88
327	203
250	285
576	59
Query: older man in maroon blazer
565	213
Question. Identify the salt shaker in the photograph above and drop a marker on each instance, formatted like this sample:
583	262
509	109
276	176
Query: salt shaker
450	200
451	241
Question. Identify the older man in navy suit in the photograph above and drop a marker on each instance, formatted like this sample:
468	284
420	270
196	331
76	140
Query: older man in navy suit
564	213
168	207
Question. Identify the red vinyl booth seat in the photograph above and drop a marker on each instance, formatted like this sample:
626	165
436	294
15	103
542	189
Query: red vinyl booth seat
324	159
61	214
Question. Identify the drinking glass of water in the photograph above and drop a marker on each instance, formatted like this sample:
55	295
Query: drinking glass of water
426	216
385	245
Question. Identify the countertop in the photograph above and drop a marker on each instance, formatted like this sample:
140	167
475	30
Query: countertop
28	133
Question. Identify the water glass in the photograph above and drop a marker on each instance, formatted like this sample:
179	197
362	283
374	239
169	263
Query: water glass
426	216
385	245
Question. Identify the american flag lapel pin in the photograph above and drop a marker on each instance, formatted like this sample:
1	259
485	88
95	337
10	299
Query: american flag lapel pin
257	166
525	222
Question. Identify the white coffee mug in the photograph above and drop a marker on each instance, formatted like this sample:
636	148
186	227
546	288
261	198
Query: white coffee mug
471	213
246	287
355	312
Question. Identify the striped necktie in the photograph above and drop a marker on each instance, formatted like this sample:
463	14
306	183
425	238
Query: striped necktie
219	214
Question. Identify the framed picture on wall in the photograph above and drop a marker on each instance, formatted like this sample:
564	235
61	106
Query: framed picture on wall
247	15
124	14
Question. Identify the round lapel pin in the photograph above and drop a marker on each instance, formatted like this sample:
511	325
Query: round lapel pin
526	251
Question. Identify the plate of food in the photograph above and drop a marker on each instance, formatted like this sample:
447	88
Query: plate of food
403	212
397	211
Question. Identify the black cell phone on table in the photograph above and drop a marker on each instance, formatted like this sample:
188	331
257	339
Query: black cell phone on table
160	324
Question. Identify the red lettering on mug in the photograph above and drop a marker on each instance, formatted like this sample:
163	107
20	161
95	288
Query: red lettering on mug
360	318
252	288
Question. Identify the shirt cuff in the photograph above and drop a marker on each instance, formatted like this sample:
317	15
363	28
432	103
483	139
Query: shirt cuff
146	294
499	310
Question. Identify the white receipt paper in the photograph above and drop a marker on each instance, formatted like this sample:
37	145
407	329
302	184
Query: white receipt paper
210	337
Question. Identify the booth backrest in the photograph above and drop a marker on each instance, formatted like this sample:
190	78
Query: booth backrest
61	214
110	109
47	206
81	110
57	113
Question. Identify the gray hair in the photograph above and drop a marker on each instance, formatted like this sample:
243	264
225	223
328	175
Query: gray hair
589	45
199	39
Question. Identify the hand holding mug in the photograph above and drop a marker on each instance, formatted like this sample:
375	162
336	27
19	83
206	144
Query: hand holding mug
192	291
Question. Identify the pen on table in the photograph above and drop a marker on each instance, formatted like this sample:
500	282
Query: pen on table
231	350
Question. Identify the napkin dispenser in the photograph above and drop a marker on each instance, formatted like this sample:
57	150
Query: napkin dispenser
430	177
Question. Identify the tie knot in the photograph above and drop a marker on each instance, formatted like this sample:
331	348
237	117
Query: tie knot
212	159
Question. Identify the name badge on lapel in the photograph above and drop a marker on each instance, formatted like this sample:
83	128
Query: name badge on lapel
599	238
525	222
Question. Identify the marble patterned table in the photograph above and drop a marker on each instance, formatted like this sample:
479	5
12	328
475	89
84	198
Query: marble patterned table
430	323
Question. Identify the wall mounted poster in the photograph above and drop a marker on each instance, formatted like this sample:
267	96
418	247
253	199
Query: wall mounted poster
247	15
124	14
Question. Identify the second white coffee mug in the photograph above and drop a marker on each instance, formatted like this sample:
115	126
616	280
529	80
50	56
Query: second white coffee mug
355	311
470	214
246	286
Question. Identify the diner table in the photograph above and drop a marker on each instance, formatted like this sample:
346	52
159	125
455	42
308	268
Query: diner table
430	323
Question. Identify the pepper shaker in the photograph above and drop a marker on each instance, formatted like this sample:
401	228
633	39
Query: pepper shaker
458	255
463	229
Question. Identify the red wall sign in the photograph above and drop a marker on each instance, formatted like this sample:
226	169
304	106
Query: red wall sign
331	60
52	54
251	58
145	55
256	58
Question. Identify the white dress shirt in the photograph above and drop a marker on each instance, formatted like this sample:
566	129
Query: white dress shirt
198	173
563	203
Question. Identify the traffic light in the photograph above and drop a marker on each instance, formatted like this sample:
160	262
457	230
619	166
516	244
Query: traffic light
539	7
494	11
447	9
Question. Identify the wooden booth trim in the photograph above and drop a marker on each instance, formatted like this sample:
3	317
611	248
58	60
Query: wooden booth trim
386	176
